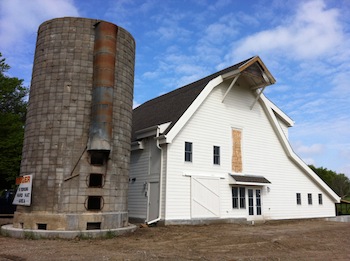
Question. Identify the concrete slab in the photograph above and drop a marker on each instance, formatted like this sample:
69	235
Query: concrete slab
345	218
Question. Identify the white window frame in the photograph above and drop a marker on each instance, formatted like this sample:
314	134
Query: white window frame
320	199
309	198
298	195
239	198
188	151
216	155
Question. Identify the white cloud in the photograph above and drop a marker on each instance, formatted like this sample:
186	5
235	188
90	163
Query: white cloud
299	147
312	32
19	22
20	19
309	161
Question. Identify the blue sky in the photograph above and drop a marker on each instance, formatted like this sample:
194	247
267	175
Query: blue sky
305	45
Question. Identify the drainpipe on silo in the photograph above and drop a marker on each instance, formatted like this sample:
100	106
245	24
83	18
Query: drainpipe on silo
160	180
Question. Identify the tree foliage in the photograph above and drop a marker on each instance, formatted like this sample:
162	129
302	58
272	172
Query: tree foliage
338	182
12	119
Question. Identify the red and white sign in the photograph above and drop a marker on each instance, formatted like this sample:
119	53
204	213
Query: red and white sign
24	192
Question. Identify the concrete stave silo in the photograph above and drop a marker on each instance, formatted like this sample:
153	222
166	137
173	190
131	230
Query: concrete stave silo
78	128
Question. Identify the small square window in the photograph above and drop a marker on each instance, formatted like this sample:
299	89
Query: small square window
188	151
216	155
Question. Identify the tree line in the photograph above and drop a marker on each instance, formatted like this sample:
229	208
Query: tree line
13	105
339	182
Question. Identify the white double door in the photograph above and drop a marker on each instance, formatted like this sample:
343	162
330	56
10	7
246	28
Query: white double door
254	203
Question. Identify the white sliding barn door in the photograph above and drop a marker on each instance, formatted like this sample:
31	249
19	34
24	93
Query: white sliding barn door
205	197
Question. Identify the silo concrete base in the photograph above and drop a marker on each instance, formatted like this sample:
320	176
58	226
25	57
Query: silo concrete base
9	230
40	220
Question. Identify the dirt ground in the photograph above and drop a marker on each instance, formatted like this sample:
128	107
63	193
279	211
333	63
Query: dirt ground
283	240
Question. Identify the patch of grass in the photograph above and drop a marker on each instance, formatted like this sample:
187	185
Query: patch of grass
30	235
110	234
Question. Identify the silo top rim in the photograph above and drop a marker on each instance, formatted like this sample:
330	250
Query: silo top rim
92	21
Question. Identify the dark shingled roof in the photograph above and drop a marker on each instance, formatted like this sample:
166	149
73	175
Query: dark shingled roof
250	179
171	106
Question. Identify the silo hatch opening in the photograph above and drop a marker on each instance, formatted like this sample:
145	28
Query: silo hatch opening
93	225
95	180
42	226
94	203
98	157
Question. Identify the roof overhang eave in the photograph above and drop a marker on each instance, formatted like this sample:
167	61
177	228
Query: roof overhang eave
265	72
267	78
154	130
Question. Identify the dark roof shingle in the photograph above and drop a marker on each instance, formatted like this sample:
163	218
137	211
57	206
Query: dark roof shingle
171	106
250	179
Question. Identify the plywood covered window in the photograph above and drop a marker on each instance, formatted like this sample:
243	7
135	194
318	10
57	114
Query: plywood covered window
237	151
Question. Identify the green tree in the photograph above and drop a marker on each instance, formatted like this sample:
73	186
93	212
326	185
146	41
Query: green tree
341	184
12	119
338	182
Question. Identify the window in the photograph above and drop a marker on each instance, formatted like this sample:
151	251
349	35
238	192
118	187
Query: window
258	201
320	200
242	197
216	155
298	199
309	198
234	197
238	197
188	151
251	202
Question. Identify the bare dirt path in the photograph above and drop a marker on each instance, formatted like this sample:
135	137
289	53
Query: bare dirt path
283	240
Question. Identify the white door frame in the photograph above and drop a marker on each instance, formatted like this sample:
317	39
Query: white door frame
254	203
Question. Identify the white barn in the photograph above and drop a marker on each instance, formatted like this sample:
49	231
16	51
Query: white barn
218	149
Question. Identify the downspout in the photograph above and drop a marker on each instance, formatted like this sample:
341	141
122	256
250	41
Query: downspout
160	181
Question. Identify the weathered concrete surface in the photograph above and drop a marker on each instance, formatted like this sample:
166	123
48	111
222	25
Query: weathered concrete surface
57	130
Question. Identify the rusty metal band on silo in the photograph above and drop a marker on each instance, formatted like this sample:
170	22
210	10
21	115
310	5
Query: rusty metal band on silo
103	84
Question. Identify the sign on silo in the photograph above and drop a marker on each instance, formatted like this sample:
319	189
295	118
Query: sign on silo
24	192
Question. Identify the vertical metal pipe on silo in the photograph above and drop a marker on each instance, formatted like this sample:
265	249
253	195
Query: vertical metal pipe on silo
103	83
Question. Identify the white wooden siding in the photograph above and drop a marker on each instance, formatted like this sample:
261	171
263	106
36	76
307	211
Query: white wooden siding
145	167
283	126
139	170
262	154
